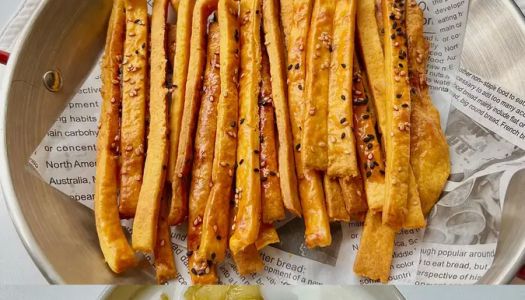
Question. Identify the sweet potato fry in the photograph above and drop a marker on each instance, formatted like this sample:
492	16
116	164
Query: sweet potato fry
368	147
342	157
216	216
164	262
354	196
310	185
374	256
172	39
146	218
117	252
133	118
272	201
318	50
248	180
275	48
397	102
179	185
429	154
181	60
335	203
267	235
371	50
204	141
286	7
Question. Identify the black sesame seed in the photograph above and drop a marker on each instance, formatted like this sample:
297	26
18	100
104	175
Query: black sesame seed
297	66
369	145
368	173
256	151
343	97
365	116
298	147
189	253
300	87
218	239
256	170
193	271
241	161
398	96
241	121
404	105
343	65
343	120
290	67
393	36
343	135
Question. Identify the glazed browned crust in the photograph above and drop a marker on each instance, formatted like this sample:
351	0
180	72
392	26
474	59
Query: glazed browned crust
133	118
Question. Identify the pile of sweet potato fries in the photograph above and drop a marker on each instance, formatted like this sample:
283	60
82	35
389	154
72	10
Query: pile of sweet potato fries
242	111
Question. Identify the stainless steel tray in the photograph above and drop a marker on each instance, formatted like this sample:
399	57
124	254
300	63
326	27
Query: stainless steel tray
60	235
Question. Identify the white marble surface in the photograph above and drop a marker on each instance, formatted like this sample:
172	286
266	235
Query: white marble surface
16	267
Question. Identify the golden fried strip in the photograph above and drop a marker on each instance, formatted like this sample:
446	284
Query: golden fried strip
429	154
354	196
216	216
318	50
376	248
342	157
181	60
335	203
286	7
145	224
267	235
371	51
368	147
248	260
115	247
316	220
272	201
397	102
204	141
164	262
179	195
275	48
248	180
133	119
172	39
